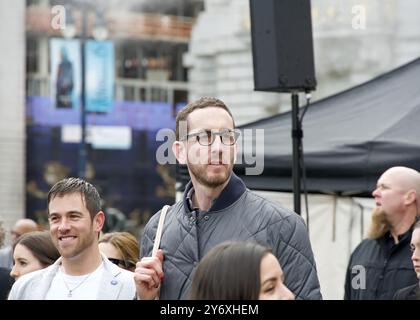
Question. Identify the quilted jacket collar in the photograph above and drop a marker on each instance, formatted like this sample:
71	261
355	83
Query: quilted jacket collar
232	192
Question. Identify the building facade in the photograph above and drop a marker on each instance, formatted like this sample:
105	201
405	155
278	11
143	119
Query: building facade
354	41
38	142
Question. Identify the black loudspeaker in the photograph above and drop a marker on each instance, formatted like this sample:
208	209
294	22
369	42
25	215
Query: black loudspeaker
282	45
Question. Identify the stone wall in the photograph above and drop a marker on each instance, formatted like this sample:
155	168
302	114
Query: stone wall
12	111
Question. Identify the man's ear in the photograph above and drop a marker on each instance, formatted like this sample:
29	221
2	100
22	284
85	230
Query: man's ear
180	152
410	197
98	221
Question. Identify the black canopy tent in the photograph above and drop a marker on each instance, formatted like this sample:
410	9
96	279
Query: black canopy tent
349	138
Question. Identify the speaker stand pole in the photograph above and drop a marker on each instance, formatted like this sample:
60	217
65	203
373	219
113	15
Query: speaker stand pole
297	135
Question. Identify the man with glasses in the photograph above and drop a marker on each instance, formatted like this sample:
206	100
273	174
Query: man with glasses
217	207
82	272
21	226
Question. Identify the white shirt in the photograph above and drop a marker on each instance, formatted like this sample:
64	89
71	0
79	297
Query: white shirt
66	287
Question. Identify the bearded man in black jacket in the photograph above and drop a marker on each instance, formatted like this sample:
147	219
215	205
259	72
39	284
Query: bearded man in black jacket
381	264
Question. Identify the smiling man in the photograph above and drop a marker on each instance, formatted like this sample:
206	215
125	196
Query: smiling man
82	272
216	207
381	264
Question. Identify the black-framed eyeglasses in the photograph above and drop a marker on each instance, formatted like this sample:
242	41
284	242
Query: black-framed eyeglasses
207	137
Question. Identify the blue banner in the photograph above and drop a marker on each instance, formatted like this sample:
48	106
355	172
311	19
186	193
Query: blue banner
99	80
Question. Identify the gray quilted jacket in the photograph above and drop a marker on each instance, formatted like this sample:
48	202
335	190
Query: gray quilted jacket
238	214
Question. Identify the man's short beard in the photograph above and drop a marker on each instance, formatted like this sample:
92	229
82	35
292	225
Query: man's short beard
379	225
211	183
203	179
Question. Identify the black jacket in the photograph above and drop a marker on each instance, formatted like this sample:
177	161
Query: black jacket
385	269
6	282
408	293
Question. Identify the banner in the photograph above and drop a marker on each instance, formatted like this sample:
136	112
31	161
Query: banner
99	79
65	73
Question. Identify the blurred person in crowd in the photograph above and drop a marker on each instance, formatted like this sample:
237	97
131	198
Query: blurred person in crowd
216	207
381	264
115	220
33	251
239	271
6	282
2	234
82	272
21	226
413	292
121	248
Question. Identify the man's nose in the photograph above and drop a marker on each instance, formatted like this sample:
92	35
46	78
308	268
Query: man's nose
375	193
64	225
217	143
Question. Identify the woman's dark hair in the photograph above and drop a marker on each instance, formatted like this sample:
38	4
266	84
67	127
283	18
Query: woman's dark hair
40	245
229	271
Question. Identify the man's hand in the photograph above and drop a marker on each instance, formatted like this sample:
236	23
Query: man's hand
148	276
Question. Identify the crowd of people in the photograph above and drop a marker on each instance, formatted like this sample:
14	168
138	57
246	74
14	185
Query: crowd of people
220	241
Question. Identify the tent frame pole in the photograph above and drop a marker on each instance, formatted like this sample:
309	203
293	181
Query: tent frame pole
297	135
